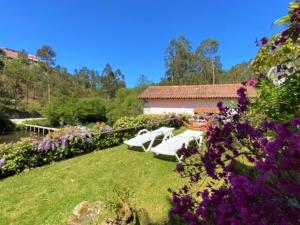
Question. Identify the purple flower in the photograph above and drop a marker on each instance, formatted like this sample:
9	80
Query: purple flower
264	141
241	91
105	129
220	104
273	47
252	83
2	162
264	40
296	121
285	33
243	129
249	196
84	133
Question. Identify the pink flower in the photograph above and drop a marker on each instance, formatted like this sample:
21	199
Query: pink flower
252	83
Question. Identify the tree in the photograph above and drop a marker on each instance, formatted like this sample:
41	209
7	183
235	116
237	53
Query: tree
47	55
111	81
27	76
14	76
206	53
2	64
187	67
125	103
178	59
143	82
237	74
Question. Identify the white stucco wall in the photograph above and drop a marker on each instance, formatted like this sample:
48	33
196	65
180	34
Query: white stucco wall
163	106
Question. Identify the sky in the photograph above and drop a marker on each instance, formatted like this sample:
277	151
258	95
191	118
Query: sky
133	34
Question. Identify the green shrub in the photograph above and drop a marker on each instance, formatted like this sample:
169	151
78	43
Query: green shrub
126	103
75	111
145	120
135	121
279	90
18	157
34	108
279	102
92	110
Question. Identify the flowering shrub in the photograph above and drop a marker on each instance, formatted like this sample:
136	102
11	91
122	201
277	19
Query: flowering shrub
102	127
253	168
64	144
278	66
274	182
145	120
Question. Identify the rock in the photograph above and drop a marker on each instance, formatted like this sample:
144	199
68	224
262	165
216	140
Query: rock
125	212
86	213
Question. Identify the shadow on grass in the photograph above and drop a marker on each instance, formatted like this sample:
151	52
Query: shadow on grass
165	157
172	220
146	145
143	218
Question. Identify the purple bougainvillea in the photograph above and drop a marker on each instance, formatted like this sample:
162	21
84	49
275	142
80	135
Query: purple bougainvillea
264	191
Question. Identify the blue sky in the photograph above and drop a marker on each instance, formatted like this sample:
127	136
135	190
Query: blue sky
133	34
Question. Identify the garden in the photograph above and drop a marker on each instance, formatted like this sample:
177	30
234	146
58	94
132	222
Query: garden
255	148
47	195
246	171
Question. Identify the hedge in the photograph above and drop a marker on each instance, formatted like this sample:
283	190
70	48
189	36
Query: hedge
15	158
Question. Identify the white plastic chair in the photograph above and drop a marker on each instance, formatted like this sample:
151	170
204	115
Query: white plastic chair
144	136
171	145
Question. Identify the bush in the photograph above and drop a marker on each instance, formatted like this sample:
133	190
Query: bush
135	121
146	120
75	111
65	144
33	108
5	123
126	103
92	110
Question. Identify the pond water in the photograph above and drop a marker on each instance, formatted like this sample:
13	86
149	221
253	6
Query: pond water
13	137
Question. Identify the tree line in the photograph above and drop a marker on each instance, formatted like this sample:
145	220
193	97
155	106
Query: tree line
200	66
34	86
23	82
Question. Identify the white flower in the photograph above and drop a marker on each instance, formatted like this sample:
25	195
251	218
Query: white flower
279	73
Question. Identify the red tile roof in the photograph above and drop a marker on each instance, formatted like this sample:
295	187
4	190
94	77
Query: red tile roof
194	91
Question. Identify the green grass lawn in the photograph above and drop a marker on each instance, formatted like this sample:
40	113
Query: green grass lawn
47	195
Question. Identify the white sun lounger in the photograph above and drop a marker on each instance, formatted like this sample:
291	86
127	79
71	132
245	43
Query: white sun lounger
144	136
171	146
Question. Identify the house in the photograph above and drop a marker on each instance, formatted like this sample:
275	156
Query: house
14	54
199	99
